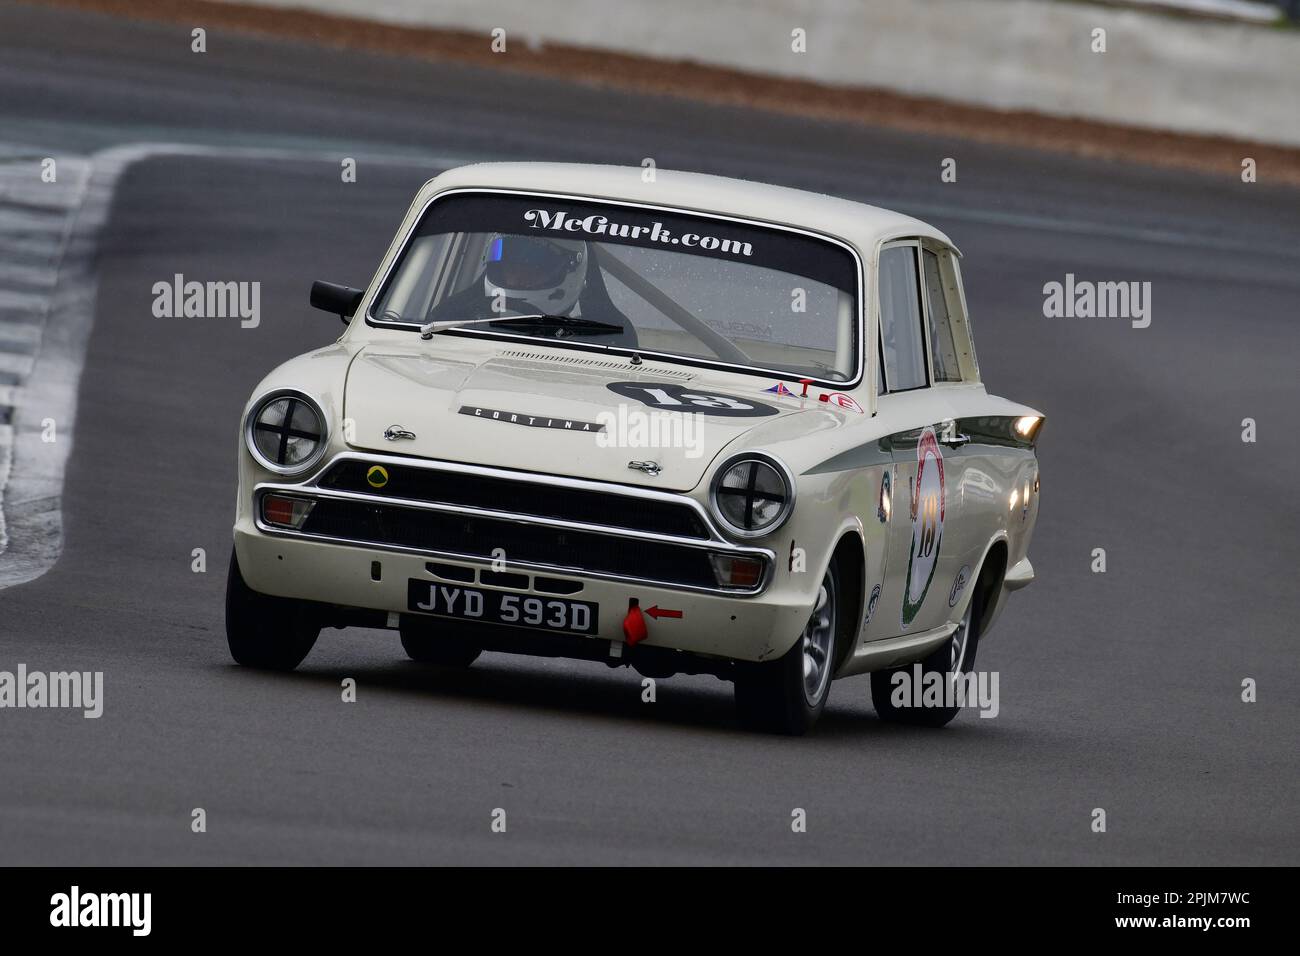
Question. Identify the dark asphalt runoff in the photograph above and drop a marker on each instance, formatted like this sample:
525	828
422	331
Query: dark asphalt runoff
1119	691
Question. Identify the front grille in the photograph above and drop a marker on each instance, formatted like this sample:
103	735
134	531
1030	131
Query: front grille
522	497
478	537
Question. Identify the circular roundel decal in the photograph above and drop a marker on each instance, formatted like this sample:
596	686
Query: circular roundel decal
871	604
958	585
377	476
671	397
927	524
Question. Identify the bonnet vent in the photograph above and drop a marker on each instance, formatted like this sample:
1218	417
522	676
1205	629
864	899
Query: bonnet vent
577	361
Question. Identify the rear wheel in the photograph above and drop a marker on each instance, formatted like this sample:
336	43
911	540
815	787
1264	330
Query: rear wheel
788	695
952	660
436	642
263	631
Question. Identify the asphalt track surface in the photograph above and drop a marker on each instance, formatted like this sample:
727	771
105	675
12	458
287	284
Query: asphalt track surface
1118	690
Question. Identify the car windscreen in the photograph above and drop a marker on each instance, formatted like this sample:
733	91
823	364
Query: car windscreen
566	272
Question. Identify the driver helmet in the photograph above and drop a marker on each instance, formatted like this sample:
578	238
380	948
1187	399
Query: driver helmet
546	274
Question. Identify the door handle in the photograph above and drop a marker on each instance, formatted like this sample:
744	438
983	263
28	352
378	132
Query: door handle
951	437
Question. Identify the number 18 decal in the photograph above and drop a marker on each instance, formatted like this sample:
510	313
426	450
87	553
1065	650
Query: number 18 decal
927	524
680	398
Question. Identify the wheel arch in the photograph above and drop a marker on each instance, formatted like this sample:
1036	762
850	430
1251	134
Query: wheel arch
988	584
850	552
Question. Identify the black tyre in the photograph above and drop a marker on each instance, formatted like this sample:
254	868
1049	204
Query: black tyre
271	633
787	696
955	656
437	642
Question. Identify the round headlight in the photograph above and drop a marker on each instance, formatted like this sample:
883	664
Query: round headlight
752	494
286	432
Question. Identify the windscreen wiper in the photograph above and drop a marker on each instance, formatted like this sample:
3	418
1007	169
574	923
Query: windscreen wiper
566	323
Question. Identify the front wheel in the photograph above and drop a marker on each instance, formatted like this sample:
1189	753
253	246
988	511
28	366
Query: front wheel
263	631
788	695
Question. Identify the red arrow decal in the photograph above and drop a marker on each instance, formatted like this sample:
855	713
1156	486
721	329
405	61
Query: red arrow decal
657	612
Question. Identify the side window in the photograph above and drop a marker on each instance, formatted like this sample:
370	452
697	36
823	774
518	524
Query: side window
943	353
902	346
951	354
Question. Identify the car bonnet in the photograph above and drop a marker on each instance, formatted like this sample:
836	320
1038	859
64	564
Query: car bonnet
555	412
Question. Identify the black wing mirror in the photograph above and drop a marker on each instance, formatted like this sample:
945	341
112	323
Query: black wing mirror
342	300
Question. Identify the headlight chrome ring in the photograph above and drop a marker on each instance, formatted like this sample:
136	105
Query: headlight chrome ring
286	432
752	494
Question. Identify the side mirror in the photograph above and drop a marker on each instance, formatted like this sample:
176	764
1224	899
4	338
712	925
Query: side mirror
342	300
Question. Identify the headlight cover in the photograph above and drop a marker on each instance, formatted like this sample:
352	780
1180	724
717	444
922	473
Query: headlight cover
752	494
286	432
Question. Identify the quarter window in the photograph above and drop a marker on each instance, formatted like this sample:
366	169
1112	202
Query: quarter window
943	352
952	357
902	344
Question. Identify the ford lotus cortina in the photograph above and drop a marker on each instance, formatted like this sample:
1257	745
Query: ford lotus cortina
694	425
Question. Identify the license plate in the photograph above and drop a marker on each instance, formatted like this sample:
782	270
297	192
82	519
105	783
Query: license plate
502	607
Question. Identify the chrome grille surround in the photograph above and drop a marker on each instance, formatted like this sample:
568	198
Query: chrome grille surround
372	504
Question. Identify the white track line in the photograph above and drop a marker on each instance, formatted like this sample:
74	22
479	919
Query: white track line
36	221
48	236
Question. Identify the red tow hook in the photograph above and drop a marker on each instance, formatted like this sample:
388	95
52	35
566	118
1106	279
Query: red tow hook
634	626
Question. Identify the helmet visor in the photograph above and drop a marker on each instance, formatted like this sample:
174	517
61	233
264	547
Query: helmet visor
525	263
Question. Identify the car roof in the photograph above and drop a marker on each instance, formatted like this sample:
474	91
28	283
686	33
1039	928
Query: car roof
862	225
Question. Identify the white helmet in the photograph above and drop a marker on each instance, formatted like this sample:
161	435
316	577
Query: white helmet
544	274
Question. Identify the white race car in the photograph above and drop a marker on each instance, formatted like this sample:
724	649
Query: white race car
690	425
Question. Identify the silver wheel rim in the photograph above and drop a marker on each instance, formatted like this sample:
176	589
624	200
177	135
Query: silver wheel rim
957	646
818	640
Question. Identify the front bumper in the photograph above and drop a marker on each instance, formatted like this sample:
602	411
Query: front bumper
754	628
612	544
1021	575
